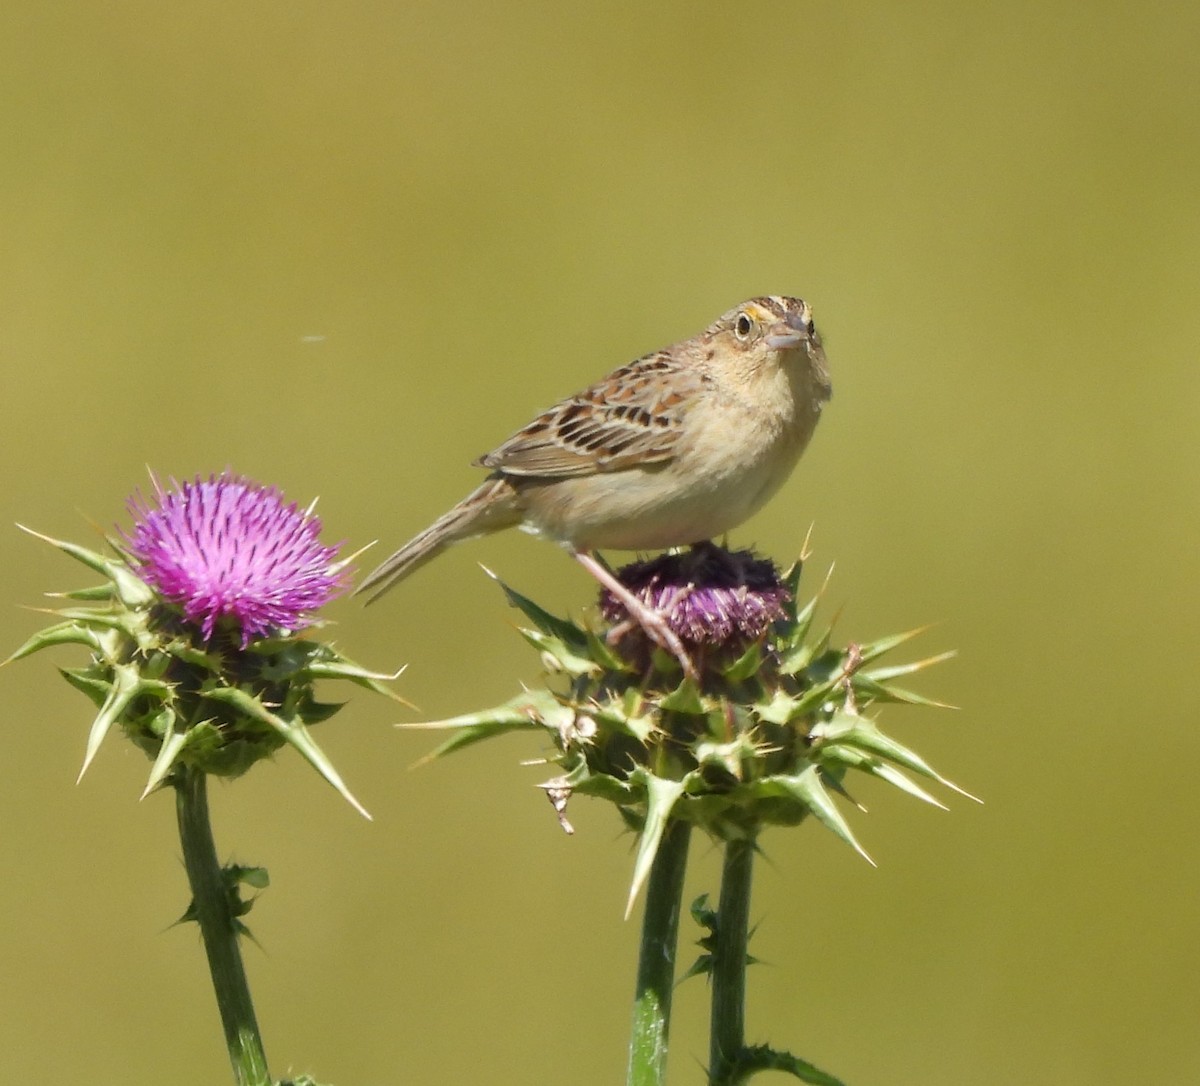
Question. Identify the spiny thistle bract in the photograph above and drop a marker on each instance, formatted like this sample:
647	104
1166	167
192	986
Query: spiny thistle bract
194	634
767	735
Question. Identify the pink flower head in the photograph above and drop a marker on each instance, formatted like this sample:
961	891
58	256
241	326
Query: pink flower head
227	548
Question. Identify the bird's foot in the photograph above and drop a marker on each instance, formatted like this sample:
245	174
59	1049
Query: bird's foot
652	622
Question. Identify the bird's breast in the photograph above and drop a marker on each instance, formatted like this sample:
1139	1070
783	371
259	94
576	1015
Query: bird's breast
729	460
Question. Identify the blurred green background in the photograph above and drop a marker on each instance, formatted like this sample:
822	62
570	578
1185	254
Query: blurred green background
347	248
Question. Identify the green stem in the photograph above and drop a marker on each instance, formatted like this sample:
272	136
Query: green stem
218	927
656	960
728	1025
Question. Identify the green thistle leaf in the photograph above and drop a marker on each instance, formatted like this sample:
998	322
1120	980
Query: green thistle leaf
292	731
869	690
565	631
65	633
631	716
100	593
87	683
598	651
756	1059
856	759
172	746
602	786
872	650
858	731
807	789
685	698
567	658
660	798
745	666
335	666
886	674
133	592
125	686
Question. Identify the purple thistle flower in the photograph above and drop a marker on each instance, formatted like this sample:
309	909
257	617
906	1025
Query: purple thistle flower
708	595
228	548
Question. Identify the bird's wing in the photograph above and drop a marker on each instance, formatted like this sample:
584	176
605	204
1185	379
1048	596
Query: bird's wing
631	418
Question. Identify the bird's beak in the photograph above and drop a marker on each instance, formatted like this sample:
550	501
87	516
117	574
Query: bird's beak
796	329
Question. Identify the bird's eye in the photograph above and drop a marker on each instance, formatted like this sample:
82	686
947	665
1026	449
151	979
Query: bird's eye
743	326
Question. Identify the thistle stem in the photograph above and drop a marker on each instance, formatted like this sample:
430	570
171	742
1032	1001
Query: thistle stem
728	1024
656	960
218	928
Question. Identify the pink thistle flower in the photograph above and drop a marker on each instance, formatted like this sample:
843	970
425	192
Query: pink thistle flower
228	548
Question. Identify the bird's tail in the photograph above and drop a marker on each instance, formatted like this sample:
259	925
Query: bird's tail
487	509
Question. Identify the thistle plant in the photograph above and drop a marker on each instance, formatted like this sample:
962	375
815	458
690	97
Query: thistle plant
767	735
200	652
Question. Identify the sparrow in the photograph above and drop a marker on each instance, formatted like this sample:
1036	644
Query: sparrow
674	448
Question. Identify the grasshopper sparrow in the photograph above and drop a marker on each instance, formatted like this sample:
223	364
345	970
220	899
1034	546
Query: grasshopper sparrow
674	448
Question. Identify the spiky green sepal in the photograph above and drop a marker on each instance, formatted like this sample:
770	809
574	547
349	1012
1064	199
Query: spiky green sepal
769	735
184	699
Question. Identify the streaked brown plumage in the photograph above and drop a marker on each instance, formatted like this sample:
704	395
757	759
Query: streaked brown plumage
676	447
